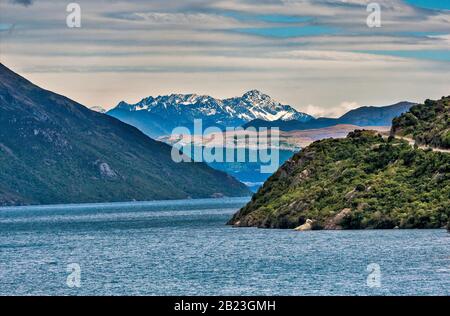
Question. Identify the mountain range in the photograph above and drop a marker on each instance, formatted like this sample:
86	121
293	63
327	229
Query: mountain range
158	116
363	116
55	150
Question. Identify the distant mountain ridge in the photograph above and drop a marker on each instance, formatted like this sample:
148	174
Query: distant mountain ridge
157	116
54	150
363	116
375	116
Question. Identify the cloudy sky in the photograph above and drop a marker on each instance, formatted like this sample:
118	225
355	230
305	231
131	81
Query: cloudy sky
316	55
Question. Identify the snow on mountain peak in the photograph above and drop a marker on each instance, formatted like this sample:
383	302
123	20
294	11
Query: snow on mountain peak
254	93
233	111
257	97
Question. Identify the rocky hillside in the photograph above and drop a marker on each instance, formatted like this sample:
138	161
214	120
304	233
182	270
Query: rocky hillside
428	123
362	181
54	150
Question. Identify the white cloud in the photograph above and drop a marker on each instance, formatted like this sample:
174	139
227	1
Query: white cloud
336	111
187	20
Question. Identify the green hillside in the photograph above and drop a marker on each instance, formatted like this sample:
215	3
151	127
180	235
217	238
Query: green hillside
362	181
427	124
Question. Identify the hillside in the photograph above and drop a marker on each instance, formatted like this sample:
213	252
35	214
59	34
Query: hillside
362	181
428	123
54	150
375	116
363	116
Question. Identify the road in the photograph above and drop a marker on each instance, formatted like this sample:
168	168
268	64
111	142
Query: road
412	142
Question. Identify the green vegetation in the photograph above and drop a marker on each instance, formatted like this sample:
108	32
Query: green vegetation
427	123
362	181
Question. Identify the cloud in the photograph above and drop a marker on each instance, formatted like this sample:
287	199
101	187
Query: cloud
186	20
332	55
336	111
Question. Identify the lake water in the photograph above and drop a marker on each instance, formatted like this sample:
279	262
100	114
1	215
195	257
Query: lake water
184	248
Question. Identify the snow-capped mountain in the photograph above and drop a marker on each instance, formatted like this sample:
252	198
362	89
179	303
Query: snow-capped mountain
256	105
158	116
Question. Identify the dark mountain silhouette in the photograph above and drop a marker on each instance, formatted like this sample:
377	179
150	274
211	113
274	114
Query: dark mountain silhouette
54	150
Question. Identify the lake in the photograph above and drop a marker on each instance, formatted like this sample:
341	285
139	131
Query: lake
185	248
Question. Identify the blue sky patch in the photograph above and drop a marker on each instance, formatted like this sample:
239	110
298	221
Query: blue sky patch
5	27
435	55
430	4
270	18
291	31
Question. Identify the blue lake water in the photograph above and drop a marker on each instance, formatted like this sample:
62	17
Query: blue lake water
184	248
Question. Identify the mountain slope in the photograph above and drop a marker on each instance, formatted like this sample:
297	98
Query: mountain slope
54	150
362	181
375	116
159	116
427	124
363	116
